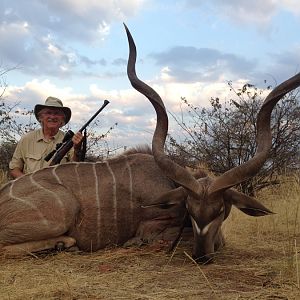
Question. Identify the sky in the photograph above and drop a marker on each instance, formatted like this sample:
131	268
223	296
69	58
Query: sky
77	50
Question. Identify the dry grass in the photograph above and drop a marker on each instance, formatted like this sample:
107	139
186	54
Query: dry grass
261	260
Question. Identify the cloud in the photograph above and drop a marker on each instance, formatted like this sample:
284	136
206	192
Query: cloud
191	64
127	107
119	62
288	58
49	38
69	19
43	56
36	91
131	110
41	36
284	65
257	12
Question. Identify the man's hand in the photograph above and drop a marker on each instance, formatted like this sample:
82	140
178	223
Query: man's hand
77	140
16	172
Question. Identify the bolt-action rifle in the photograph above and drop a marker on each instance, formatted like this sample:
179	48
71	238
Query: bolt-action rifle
63	148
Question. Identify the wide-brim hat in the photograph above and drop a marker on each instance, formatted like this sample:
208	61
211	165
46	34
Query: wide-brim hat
52	102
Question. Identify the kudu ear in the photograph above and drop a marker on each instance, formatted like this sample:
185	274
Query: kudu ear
246	204
170	198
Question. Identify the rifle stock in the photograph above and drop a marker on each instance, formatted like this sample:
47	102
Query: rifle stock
67	145
61	152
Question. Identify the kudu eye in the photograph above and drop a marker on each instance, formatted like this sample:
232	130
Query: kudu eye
221	210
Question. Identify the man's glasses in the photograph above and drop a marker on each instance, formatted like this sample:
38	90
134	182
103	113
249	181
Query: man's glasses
53	112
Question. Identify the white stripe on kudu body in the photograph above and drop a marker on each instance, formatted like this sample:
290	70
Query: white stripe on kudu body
27	203
55	195
130	183
131	193
78	179
55	175
114	194
97	203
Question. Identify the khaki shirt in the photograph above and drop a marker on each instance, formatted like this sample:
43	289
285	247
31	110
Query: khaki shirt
32	149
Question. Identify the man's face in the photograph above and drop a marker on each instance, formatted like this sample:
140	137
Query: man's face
52	118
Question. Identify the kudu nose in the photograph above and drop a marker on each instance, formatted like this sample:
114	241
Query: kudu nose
203	259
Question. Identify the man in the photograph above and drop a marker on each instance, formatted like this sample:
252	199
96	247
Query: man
33	147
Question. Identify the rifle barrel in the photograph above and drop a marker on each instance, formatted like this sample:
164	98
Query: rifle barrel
67	145
94	116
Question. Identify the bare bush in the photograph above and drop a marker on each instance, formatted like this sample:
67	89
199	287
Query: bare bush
223	135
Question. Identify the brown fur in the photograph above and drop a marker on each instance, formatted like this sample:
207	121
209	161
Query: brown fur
144	149
209	199
97	204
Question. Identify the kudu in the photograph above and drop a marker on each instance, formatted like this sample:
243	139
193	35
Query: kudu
209	200
93	204
96	205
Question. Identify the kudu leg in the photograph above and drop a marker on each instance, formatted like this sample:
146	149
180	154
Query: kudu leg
35	246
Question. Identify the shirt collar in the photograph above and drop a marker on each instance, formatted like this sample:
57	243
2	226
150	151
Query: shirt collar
40	135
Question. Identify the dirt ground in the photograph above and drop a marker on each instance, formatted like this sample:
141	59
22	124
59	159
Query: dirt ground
261	260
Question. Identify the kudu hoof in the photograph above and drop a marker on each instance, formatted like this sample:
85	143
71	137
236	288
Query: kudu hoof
60	246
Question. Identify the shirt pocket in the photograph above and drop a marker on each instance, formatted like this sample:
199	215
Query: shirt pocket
34	156
33	162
